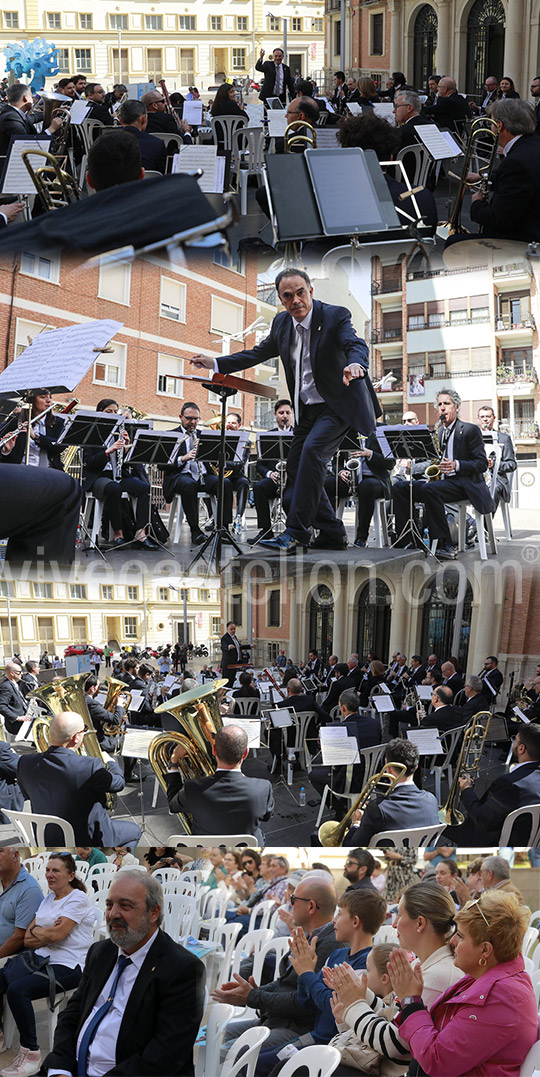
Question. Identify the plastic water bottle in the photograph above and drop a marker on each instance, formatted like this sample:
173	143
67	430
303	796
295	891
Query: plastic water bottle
302	798
425	538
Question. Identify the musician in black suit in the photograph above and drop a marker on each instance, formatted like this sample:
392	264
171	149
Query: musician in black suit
239	803
95	97
405	808
130	675
183	476
462	469
142	1034
266	489
100	716
231	653
486	814
134	118
160	120
14	121
366	730
474	698
451	678
375	469
512	211
491	87
331	395
408	117
341	681
277	77
443	715
29	680
13	705
450	109
303	701
492	679
74	787
45	430
417	670
313	665
507	462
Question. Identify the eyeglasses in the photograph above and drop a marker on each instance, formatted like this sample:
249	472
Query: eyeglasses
83	730
354	862
471	904
295	899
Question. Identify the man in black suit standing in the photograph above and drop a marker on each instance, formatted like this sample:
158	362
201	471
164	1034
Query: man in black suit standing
267	488
277	77
13	705
227	799
183	476
507	462
123	1017
326	367
462	468
231	653
512	211
14	121
486	814
450	109
492	679
134	118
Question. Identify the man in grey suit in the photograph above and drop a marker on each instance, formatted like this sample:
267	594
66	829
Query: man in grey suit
507	463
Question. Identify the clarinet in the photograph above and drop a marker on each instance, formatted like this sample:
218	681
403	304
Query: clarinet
168	105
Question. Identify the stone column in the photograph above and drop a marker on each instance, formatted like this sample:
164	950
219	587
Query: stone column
444	38
396	43
514	45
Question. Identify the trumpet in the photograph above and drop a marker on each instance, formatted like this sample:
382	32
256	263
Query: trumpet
383	783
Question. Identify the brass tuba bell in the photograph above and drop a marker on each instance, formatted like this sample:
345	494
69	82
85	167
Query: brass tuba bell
199	719
115	689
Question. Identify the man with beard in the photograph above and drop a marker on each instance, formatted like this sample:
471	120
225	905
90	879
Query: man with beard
358	870
123	1017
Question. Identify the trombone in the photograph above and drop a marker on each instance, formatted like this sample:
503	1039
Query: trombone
383	783
474	740
55	187
482	147
300	136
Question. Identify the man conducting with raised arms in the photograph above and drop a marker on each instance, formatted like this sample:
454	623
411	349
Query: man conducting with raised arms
326	370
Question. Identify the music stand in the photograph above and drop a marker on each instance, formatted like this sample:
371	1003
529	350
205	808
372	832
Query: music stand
90	430
153	447
219	447
273	447
411	443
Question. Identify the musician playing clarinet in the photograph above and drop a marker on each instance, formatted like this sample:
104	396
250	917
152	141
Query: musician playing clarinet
45	429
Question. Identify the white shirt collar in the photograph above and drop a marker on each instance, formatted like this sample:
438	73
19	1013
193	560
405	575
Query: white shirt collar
510	144
138	957
307	320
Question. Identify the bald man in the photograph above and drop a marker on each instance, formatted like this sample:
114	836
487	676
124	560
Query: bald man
449	108
74	787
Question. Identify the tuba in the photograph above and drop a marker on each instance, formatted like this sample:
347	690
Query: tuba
68	695
468	764
199	719
331	833
115	689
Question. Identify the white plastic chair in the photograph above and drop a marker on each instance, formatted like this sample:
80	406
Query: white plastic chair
215	904
223	129
83	867
179	913
248	149
25	821
320	1061
372	759
205	841
449	740
166	875
250	943
244	1052
267	908
531	1063
208	1054
533	810
483	520
387	933
417	837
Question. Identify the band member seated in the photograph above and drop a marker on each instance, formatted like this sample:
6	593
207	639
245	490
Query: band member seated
160	120
375	470
95	97
474	699
313	665
266	489
406	807
451	677
366	730
492	679
408	117
29	680
236	480
107	478
14	119
45	429
342	680
462	468
507	462
374	677
130	675
486	814
300	702
443	715
183	476
511	211
134	118
417	671
102	717
247	690
449	109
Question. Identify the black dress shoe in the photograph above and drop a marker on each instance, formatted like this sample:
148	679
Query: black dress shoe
360	542
284	542
261	535
446	553
326	542
198	538
145	544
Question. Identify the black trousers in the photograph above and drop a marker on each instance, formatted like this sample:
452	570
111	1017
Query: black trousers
39	513
238	484
110	492
188	487
264	492
316	438
434	495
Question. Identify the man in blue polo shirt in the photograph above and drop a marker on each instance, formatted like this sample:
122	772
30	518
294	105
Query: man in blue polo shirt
19	899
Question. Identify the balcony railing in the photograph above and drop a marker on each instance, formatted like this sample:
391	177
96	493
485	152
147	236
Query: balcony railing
526	428
513	269
384	336
507	376
381	287
506	321
448	324
394	387
420	274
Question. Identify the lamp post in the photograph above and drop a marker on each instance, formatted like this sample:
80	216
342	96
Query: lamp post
284	21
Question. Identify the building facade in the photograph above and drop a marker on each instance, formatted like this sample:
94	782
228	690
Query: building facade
184	42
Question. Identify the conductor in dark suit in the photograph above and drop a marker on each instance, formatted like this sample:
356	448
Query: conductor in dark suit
486	814
74	787
277	77
325	366
13	705
134	118
231	652
149	981
507	462
405	808
462	475
512	210
227	799
14	120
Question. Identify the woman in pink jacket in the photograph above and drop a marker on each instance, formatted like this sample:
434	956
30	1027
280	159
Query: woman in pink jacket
484	1025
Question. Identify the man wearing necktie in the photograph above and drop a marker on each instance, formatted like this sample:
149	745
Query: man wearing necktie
326	370
183	477
139	1004
14	121
277	77
462	468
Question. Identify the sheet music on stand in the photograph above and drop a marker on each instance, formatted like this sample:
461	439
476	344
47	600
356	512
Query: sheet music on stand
88	429
59	358
277	123
408	442
251	726
17	179
385	110
424	691
281	717
154	447
327	138
426	740
354	108
383	704
236	443
274	445
137	742
205	157
440	144
192	112
337	748
136	701
78	113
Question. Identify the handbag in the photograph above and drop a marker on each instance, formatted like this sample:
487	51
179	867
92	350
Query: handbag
28	962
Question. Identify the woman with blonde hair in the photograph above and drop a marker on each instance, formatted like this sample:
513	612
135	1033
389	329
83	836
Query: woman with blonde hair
495	993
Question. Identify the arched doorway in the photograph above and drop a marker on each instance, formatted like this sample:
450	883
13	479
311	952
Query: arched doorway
425	46
321	621
374	616
446	620
485	44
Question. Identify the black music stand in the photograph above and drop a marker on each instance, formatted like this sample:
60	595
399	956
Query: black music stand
273	446
219	534
153	447
89	430
412	443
